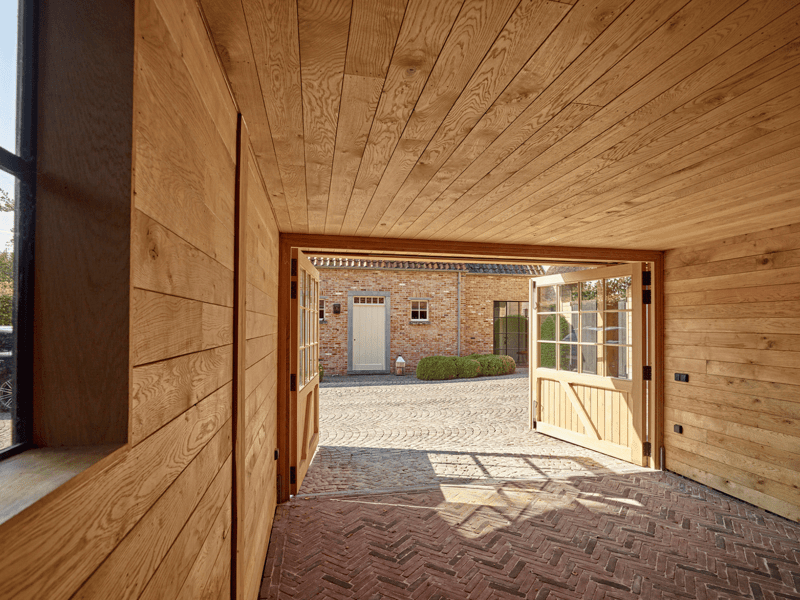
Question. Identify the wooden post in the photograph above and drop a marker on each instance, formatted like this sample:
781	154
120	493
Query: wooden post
284	420
238	561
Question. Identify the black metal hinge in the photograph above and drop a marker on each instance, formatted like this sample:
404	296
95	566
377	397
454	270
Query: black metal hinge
647	277
293	290
294	267
648	373
292	382
277	454
292	474
646	449
646	297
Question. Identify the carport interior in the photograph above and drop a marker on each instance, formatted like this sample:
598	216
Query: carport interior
185	147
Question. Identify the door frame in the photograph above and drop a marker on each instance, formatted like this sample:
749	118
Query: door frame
387	316
459	251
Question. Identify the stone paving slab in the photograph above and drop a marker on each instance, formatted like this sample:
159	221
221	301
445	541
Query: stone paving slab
440	490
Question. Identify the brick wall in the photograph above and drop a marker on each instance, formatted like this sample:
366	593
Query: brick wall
478	293
414	341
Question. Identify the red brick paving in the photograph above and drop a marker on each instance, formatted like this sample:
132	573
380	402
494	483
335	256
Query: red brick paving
634	535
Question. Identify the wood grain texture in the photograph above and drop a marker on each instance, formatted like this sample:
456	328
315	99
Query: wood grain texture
743	362
167	326
226	23
323	31
273	30
425	29
84	190
563	123
165	389
84	515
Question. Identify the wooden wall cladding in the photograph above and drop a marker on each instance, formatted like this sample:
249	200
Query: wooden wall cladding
605	123
260	406
154	519
732	325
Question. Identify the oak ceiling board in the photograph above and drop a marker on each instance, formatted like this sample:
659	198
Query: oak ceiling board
640	124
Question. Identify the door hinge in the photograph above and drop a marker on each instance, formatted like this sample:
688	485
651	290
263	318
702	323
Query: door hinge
648	373
292	474
292	382
294	267
646	297
293	290
647	277
646	449
277	454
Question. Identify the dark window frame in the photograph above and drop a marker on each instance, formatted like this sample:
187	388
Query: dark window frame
22	165
522	346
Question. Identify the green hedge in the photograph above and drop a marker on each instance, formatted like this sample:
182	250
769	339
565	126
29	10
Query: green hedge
450	367
437	367
548	350
467	368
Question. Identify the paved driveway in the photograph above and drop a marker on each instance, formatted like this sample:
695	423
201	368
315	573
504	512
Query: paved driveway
386	432
439	490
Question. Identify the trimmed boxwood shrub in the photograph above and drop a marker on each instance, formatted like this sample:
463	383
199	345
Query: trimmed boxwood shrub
490	364
509	363
450	367
437	367
467	368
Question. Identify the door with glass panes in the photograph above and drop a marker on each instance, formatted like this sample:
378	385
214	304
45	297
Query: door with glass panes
587	337
304	377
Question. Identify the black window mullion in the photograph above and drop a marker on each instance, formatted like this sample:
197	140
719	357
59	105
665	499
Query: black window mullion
23	166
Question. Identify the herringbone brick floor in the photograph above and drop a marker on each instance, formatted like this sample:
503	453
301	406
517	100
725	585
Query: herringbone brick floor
587	529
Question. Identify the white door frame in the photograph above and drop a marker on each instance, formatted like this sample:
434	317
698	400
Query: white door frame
387	340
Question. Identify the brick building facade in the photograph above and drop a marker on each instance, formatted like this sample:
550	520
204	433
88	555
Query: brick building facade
420	307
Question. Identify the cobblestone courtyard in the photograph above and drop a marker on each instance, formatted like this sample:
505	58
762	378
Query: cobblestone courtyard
385	432
439	490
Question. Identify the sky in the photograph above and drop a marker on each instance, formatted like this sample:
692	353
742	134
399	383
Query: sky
8	99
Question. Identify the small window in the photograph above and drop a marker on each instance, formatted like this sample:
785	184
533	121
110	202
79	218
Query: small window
322	310
419	310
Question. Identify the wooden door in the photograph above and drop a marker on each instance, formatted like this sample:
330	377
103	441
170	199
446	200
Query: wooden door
587	340
369	333
304	377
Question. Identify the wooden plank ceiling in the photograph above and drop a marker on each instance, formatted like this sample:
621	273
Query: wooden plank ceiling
645	124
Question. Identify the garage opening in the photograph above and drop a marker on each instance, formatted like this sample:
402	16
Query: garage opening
373	429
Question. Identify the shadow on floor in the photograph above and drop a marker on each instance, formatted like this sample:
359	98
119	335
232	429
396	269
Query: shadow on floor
638	535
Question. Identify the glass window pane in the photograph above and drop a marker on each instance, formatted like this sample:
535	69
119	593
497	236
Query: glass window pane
618	293
568	357
569	328
568	297
525	309
618	328
547	327
590	360
589	327
592	295
7	292
8	76
618	361
513	308
547	298
547	355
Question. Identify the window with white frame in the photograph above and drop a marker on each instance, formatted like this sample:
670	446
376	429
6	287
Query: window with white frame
321	309
419	310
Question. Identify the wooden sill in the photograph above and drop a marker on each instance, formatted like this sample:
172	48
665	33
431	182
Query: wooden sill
30	476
